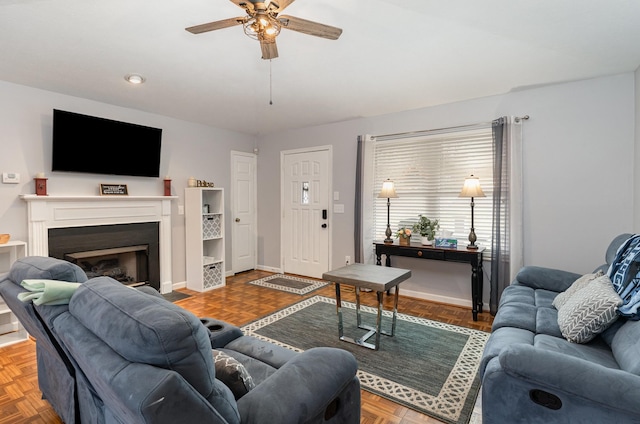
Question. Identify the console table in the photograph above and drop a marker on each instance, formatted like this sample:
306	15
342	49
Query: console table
461	254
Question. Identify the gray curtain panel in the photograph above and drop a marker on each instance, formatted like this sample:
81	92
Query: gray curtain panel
357	219
500	233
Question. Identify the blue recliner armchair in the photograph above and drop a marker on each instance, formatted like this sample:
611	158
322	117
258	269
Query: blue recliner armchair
137	358
56	373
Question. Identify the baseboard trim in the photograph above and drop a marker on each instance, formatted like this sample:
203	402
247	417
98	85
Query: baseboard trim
166	287
269	268
465	303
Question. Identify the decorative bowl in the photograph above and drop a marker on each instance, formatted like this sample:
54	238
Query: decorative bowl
4	238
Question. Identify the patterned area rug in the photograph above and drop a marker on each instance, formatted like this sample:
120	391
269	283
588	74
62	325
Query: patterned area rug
289	284
428	366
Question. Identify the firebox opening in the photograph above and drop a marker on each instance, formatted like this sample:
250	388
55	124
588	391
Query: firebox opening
117	241
127	265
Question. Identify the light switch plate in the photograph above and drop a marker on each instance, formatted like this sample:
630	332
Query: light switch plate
10	178
338	208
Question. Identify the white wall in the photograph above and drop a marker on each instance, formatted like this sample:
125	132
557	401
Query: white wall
578	175
636	180
25	143
579	148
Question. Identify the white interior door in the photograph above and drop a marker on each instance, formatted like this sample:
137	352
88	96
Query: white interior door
244	238
305	206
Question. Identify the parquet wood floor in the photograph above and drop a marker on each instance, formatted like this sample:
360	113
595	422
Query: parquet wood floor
237	303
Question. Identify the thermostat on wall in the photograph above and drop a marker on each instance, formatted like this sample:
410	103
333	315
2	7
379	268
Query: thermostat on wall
10	178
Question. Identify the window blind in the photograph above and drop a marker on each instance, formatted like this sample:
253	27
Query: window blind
428	173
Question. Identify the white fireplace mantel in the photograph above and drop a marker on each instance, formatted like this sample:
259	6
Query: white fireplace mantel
46	212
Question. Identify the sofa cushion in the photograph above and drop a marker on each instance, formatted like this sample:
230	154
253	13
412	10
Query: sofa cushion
547	322
626	348
516	315
544	298
146	329
232	373
517	294
596	351
580	283
589	311
43	267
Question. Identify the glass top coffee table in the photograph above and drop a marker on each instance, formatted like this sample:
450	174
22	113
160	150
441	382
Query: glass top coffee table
374	277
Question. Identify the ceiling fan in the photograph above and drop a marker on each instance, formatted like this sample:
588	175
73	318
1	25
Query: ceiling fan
263	24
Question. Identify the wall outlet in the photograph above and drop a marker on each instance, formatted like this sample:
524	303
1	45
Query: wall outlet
347	260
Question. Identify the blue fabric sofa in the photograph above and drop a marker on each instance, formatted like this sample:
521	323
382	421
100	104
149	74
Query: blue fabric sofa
531	374
130	356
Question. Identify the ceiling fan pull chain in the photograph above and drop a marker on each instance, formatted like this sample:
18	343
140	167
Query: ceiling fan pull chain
270	83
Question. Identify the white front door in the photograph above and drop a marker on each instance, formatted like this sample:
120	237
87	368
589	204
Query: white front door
244	239
305	206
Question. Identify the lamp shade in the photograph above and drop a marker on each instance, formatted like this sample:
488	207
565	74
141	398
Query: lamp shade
388	190
471	188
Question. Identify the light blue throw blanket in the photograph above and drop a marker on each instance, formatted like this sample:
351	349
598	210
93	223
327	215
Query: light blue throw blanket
47	292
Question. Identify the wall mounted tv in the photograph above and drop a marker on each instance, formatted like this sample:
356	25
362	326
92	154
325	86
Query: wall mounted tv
89	144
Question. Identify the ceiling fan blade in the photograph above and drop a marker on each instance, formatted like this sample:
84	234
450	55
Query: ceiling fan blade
269	48
212	26
309	27
279	5
245	4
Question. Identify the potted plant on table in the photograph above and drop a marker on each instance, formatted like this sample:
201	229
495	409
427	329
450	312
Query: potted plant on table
404	236
427	229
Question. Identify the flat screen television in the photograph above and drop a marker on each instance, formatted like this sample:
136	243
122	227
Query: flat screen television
89	144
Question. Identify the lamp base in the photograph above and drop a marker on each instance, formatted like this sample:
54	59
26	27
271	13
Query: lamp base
472	235
388	241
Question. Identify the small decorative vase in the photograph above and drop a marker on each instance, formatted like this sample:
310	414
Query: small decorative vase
404	241
425	241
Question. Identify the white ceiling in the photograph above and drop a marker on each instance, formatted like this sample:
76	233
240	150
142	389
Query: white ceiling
393	55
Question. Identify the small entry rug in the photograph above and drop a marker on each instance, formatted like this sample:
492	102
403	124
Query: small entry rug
289	283
174	296
428	366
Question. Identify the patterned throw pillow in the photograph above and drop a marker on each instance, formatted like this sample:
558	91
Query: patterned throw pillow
590	311
580	283
233	374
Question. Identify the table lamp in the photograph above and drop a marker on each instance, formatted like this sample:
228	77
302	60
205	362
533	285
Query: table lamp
472	189
388	191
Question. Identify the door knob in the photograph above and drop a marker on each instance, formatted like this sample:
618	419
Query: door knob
324	225
237	219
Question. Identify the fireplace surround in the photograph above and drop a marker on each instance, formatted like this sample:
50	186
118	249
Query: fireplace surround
57	212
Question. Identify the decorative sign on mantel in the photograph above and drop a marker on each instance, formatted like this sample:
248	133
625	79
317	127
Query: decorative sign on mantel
113	190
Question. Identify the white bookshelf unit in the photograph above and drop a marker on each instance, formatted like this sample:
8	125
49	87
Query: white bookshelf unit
204	228
10	329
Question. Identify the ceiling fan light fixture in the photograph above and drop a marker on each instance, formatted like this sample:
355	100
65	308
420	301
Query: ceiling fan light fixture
270	30
135	79
262	25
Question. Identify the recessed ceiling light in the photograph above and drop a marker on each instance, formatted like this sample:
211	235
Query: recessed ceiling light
135	78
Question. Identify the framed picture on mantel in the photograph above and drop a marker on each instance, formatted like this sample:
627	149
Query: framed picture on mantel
113	190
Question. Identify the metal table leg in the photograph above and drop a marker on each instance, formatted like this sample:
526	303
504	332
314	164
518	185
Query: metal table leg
377	330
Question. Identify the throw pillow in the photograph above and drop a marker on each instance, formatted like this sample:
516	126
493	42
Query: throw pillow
233	374
590	311
580	283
